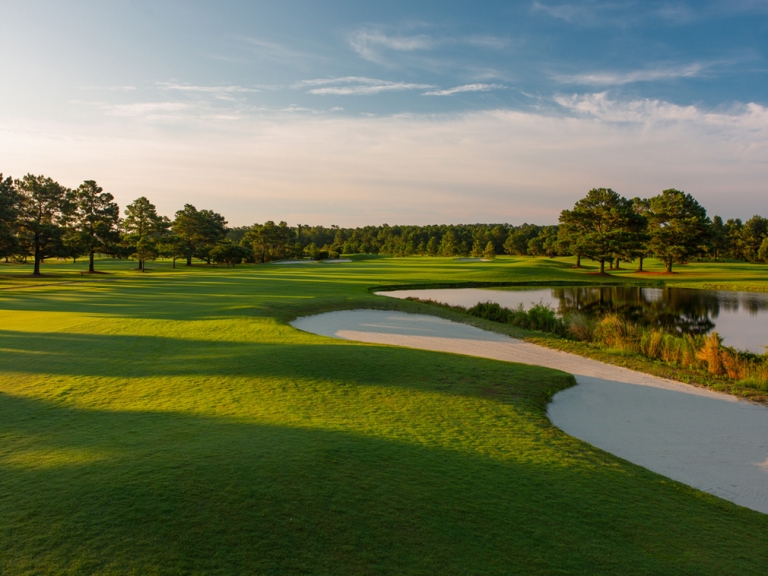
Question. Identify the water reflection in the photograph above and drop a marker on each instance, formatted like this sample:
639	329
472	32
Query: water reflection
673	310
740	317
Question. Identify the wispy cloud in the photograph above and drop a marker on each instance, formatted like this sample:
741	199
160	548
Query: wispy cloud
267	50
464	88
646	75
521	165
221	92
585	13
370	43
148	109
640	111
358	85
625	14
110	88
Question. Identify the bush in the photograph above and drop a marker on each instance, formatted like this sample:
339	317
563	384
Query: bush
615	332
541	317
490	311
581	327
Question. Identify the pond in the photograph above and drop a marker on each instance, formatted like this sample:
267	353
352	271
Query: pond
741	318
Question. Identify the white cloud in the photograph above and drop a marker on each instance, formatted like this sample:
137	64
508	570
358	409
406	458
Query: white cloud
368	42
221	92
357	86
491	166
621	78
147	108
644	111
110	88
464	88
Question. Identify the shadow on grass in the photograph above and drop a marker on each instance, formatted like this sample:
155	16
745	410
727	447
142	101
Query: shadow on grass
117	356
96	491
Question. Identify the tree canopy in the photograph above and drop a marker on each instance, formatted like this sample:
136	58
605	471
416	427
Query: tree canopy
40	218
678	227
601	226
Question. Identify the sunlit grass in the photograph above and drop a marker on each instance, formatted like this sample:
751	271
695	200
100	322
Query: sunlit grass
173	423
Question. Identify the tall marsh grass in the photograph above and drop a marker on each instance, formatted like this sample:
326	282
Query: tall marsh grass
617	334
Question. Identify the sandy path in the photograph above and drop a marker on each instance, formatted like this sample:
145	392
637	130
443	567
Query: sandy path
707	440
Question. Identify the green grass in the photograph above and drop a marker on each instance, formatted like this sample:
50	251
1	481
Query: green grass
173	423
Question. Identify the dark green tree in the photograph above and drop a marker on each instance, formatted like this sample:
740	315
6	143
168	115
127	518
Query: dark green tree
229	253
490	251
519	237
271	241
678	227
719	242
9	213
545	243
172	246
45	208
143	228
601	224
214	230
733	228
448	244
96	220
762	253
750	236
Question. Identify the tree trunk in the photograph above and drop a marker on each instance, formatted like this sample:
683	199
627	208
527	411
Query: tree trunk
90	263
36	271
174	262
189	259
610	263
669	266
578	260
640	267
617	263
602	266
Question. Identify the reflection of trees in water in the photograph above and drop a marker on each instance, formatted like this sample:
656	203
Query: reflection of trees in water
674	310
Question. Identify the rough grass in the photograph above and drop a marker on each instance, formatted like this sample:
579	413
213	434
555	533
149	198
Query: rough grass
173	423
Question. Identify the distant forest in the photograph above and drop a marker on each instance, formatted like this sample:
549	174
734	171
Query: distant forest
41	219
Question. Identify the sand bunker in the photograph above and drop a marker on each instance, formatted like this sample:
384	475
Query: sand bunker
707	440
294	262
336	260
471	260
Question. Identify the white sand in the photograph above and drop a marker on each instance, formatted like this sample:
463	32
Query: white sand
294	262
713	442
336	260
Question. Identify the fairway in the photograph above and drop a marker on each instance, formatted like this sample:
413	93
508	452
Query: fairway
173	422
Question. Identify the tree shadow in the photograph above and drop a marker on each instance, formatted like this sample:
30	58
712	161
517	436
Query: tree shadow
109	356
99	491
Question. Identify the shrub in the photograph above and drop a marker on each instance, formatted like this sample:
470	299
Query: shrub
539	317
490	311
581	327
615	332
710	353
650	343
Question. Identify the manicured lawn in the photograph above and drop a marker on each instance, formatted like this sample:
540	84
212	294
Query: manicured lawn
174	423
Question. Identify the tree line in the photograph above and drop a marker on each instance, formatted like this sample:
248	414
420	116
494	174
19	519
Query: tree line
40	219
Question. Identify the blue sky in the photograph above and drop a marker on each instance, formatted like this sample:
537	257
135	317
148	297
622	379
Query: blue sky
360	112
